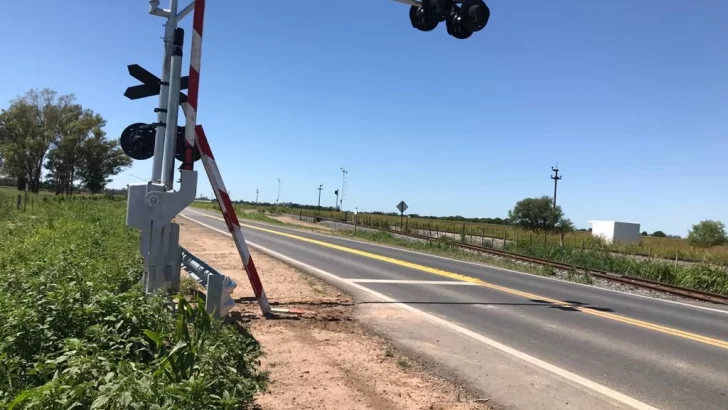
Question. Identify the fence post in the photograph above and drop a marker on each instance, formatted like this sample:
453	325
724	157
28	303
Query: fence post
530	239
545	238
20	198
649	253
582	245
677	255
300	214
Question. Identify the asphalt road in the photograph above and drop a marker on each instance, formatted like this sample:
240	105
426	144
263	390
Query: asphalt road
668	355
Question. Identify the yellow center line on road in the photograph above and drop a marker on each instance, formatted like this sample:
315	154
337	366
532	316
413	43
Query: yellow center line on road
452	275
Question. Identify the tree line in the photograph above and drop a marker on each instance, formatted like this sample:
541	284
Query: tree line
42	130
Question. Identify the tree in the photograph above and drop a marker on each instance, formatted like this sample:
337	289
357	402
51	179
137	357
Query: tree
27	129
538	214
707	233
644	233
659	234
77	127
98	160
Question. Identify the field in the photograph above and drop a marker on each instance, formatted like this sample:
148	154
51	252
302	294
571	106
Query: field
666	248
76	331
580	249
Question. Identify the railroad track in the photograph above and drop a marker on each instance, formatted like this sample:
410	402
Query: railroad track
625	279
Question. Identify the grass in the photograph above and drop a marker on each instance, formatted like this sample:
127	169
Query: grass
251	216
701	276
697	276
76	330
443	249
666	248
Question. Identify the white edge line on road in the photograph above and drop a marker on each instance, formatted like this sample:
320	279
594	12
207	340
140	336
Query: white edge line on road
414	282
599	388
725	312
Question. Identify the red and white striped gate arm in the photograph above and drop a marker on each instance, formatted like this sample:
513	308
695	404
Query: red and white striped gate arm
231	218
193	84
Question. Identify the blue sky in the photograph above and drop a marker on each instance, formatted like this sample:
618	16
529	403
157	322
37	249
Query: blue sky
628	97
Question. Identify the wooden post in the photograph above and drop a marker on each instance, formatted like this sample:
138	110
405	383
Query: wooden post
20	198
429	227
582	245
530	239
677	256
649	253
545	238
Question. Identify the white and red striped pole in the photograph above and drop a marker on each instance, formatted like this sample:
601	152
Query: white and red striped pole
193	84
195	134
231	218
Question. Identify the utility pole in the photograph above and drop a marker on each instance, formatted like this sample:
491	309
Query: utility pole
336	203
556	179
320	188
279	190
343	186
256	195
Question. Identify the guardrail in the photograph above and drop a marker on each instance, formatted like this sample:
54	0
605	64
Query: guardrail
219	287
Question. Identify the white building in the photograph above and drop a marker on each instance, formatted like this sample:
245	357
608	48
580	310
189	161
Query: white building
613	231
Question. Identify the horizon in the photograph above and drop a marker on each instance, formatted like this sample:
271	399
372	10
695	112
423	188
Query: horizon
631	109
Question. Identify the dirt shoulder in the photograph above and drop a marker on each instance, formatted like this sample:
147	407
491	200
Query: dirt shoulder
324	359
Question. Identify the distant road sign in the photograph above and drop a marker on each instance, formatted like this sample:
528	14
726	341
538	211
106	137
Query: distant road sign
402	206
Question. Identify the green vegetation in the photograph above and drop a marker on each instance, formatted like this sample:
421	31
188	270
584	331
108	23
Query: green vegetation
697	276
481	233
707	234
241	212
76	331
539	215
447	249
44	130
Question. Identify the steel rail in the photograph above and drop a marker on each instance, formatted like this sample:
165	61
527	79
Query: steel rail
602	274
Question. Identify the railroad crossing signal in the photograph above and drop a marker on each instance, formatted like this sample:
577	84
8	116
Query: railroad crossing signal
151	84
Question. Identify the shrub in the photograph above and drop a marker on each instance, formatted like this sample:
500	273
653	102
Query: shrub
707	233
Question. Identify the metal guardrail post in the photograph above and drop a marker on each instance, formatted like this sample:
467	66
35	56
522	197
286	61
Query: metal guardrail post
218	300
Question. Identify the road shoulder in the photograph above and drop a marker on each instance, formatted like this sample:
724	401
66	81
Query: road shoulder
473	361
324	359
